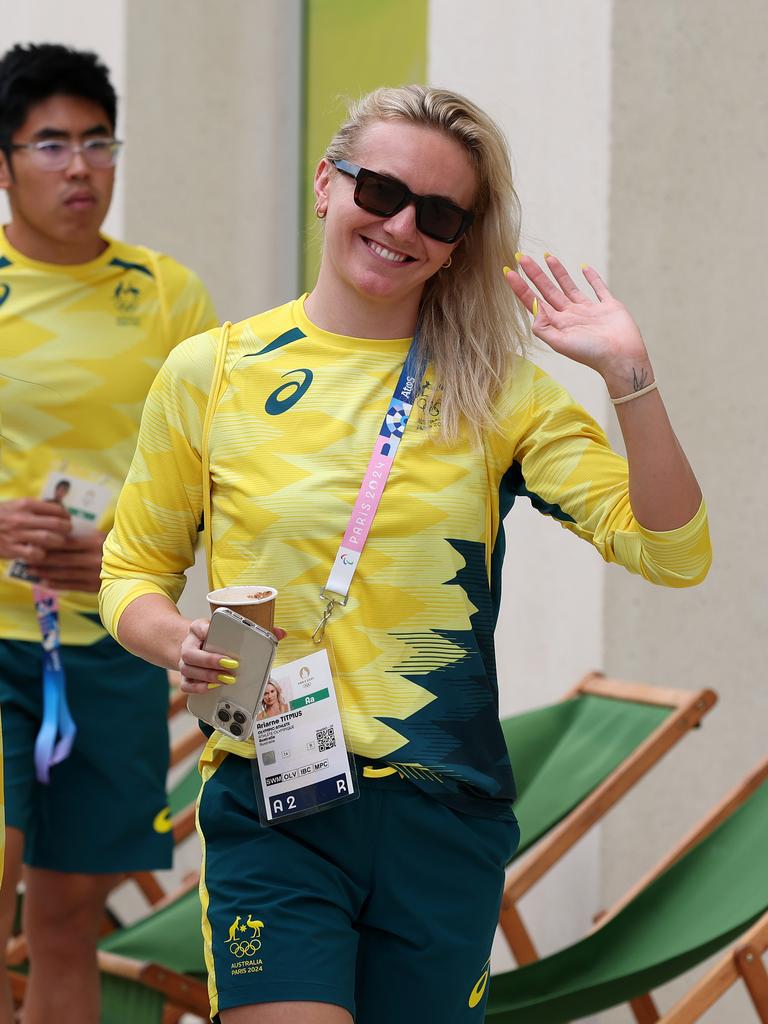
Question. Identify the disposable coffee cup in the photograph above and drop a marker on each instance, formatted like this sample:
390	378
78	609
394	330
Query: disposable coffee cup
256	603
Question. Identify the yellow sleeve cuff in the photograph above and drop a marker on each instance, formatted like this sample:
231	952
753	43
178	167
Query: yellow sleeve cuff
117	594
672	558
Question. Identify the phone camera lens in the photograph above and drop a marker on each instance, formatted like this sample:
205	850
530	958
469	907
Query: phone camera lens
239	717
235	729
223	715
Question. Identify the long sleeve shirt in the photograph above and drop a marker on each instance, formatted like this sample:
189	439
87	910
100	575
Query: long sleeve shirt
293	424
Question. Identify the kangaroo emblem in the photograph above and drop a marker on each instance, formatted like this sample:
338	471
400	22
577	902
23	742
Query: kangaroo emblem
233	929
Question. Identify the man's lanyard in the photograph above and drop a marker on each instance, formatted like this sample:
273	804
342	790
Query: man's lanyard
57	732
336	589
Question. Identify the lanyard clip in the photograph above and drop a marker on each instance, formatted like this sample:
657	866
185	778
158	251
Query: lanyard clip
319	632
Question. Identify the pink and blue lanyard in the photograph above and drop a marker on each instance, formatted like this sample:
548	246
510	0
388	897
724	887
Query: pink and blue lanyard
336	590
57	731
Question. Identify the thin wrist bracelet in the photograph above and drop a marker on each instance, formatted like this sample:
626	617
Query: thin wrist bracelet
635	394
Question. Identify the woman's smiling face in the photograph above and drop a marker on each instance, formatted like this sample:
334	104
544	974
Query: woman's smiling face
388	258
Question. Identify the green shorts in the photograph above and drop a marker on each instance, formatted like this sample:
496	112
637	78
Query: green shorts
386	905
103	809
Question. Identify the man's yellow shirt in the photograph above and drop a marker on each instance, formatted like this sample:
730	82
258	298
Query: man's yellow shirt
81	345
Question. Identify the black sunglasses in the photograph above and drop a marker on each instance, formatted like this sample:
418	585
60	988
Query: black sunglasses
376	193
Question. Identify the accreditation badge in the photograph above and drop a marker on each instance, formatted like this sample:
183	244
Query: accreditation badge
301	765
86	499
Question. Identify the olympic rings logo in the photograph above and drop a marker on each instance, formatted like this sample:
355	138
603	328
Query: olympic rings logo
245	948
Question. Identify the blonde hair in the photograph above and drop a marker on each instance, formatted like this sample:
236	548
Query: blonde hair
470	323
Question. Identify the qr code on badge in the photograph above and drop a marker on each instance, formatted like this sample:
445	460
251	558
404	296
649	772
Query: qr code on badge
326	739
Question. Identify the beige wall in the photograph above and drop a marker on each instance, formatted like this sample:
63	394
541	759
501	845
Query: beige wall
638	132
689	216
212	170
524	63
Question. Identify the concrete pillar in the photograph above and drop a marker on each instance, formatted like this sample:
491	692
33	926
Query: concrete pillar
213	119
543	72
689	219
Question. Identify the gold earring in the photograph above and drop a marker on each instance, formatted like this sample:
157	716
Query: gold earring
448	262
320	212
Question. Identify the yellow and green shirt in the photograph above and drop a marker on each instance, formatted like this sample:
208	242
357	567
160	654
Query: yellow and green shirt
294	426
81	345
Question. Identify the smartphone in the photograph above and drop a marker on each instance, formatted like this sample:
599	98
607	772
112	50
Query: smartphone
231	708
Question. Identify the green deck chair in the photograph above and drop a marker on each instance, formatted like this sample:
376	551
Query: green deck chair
573	761
707	893
157	961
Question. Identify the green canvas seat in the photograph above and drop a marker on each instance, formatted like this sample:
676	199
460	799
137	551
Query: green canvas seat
699	904
562	752
157	959
573	761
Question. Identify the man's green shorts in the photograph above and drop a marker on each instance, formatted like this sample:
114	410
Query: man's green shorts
386	905
104	809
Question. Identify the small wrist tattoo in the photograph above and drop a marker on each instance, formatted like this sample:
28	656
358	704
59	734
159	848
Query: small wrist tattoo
639	381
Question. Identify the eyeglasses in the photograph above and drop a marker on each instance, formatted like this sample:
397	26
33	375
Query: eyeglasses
53	155
376	193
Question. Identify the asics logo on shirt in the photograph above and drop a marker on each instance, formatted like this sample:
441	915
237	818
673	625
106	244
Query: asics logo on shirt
287	395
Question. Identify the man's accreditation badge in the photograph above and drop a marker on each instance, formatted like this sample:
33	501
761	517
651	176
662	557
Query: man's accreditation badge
87	500
302	765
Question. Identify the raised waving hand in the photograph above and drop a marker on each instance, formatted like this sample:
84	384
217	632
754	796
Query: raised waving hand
598	332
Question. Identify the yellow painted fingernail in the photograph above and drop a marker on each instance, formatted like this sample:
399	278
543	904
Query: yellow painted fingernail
547	255
224	678
229	663
535	310
506	270
213	686
584	266
518	256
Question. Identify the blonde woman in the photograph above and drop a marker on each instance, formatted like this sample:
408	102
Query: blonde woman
420	215
272	702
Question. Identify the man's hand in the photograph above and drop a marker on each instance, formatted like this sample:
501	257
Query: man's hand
29	528
73	565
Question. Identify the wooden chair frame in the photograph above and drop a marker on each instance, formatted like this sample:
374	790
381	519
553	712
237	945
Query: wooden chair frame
182	994
689	708
744	961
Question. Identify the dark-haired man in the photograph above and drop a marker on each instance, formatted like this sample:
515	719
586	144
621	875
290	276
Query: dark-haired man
85	323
